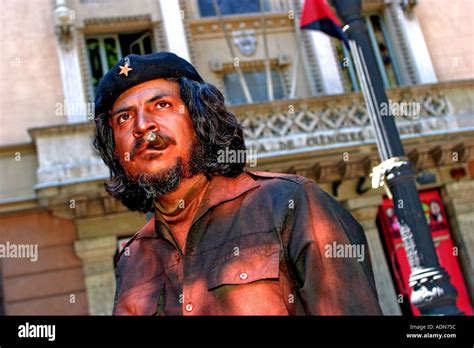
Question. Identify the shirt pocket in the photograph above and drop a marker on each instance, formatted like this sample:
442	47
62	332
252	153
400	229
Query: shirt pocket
143	299
246	265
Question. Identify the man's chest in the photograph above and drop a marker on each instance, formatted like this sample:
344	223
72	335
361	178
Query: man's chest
221	272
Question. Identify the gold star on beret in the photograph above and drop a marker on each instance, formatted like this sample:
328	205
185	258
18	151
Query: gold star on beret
124	69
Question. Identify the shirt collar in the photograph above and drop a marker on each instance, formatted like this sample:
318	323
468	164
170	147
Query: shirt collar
221	189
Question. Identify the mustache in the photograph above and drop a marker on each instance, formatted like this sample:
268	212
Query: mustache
162	141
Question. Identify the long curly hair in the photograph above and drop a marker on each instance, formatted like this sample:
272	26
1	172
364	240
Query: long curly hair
216	130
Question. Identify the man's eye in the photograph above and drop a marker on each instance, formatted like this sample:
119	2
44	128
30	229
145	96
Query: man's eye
122	118
162	104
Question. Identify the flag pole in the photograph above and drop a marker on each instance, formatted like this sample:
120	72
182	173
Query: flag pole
243	83
432	291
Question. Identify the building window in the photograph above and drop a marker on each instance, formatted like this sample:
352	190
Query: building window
383	50
230	7
349	75
107	49
382	47
257	84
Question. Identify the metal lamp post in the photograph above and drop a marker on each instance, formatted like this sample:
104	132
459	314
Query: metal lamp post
432	294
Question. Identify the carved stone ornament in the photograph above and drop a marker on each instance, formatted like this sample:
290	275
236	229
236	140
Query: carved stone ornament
63	18
245	40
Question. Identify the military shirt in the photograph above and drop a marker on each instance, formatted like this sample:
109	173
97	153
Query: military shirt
258	245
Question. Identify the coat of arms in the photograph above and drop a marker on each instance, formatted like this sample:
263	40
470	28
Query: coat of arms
245	40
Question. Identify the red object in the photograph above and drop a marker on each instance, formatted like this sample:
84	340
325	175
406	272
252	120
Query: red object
317	15
457	173
447	254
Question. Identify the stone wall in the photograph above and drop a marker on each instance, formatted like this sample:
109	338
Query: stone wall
447	28
54	283
29	66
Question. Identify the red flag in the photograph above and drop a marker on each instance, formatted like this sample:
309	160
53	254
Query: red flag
317	15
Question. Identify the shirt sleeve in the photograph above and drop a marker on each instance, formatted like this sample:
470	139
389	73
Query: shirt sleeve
329	254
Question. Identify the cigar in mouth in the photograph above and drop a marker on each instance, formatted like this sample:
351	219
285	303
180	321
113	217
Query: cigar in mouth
154	139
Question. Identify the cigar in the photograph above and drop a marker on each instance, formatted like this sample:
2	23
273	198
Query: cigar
154	139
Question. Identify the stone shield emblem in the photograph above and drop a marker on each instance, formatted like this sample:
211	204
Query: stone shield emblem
246	41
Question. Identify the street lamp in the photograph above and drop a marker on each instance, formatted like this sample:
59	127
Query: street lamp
432	294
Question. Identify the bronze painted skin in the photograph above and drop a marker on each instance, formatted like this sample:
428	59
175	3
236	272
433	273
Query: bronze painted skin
256	246
242	243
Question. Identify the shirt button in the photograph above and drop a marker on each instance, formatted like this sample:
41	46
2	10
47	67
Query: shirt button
243	275
189	307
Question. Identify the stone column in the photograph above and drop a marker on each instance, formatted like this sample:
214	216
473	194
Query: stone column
74	105
330	76
410	45
172	16
97	259
365	211
459	200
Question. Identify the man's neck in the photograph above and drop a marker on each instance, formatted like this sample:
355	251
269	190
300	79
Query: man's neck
179	207
188	190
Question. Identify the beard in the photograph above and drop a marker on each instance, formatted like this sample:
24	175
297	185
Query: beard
151	186
161	183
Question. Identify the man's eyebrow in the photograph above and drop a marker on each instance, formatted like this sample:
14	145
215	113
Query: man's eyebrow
127	108
148	101
155	98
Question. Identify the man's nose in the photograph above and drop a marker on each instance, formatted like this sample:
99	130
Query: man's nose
144	124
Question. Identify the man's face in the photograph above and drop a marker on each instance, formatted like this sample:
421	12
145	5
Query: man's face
151	106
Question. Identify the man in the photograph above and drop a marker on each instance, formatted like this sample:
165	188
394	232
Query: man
223	240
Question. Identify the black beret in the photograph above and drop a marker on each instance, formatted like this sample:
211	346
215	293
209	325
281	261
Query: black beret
135	69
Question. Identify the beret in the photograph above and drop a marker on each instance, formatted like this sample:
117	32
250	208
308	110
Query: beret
135	69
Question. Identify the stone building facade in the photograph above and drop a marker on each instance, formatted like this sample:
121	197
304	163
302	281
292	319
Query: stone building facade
315	123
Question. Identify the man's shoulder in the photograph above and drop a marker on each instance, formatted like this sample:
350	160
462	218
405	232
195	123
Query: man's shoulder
148	230
290	184
284	187
280	178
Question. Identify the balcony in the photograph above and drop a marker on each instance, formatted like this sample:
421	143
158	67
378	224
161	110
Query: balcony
318	123
314	137
309	136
